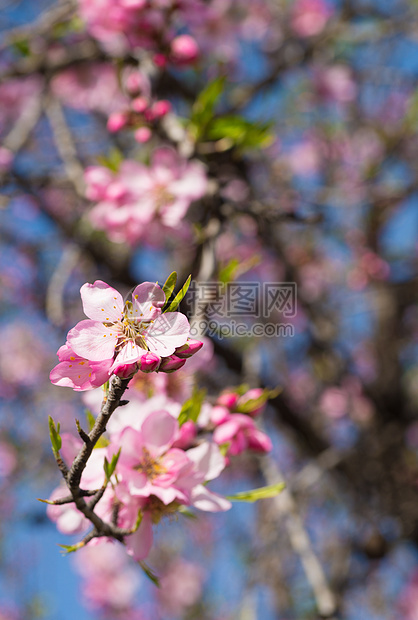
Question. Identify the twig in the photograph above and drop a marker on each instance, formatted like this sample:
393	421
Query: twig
55	291
42	26
65	144
285	504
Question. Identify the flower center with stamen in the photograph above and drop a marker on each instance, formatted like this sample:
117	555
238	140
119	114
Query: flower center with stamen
131	328
150	466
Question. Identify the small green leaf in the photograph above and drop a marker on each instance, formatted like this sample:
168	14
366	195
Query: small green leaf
150	574
109	468
22	46
187	513
191	408
178	298
243	133
71	548
112	161
138	521
254	403
54	435
204	107
255	494
169	285
224	447
91	420
227	273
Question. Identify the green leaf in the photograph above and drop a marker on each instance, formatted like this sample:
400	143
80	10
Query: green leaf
54	435
169	285
255	403
91	420
138	521
22	46
112	161
243	133
150	574
191	408
187	513
109	468
177	299
71	548
203	108
255	494
224	447
227	273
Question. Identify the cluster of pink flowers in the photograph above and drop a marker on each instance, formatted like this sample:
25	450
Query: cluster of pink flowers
121	25
122	338
153	477
109	581
90	87
309	17
143	111
137	196
233	416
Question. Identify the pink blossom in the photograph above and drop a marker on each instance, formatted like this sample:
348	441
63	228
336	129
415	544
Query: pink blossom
336	82
151	466
310	17
189	349
127	331
241	433
181	586
137	195
171	363
334	402
8	459
143	134
110	582
251	395
78	372
184	49
92	86
6	159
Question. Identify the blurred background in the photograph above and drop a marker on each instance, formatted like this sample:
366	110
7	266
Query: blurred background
293	149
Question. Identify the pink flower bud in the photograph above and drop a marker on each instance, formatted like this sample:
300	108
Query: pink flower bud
187	433
171	363
253	394
134	4
184	49
116	191
190	348
140	104
219	414
6	159
134	83
160	60
229	399
149	362
143	134
125	371
161	108
116	121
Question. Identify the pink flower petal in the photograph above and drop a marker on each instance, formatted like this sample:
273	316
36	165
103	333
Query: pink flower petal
147	300
129	354
203	499
166	333
101	302
208	460
93	340
159	431
138	545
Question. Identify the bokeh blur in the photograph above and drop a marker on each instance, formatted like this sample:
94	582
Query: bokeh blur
245	142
